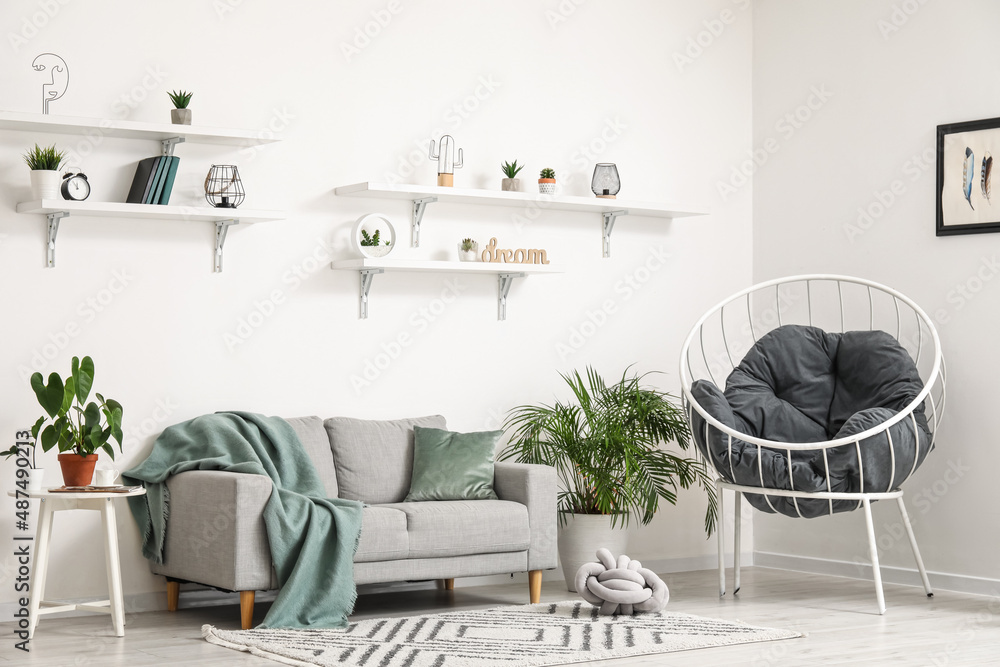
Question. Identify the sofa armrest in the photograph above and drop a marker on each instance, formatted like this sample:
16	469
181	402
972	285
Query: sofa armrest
534	486
215	530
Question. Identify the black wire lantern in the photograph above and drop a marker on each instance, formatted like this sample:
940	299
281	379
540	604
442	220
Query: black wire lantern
223	187
606	183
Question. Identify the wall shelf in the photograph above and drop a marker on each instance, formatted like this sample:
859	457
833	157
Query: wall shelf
422	195
368	268
56	209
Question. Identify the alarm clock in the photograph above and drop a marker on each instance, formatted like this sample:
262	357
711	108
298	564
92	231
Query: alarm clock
75	186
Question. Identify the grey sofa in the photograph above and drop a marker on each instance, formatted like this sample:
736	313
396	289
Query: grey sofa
216	536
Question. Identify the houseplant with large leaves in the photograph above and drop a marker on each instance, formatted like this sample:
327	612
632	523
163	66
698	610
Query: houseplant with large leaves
606	447
76	427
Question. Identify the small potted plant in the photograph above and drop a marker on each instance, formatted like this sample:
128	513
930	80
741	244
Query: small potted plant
44	164
547	181
180	114
34	473
372	245
511	183
77	428
468	251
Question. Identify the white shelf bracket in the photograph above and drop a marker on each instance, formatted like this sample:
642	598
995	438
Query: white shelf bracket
53	219
608	225
168	144
221	229
504	281
419	205
366	285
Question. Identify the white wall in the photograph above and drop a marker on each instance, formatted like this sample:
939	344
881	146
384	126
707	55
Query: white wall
892	71
555	89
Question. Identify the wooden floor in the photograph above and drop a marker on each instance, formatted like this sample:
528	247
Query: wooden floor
837	615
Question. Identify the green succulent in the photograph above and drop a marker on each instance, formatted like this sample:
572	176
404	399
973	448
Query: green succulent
48	159
547	173
180	98
510	169
368	240
469	244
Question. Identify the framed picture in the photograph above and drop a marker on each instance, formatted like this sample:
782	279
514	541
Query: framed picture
964	177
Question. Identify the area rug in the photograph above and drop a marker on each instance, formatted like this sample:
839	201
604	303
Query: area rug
541	634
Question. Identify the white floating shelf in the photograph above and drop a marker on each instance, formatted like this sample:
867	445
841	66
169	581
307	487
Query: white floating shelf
57	209
128	129
421	195
505	273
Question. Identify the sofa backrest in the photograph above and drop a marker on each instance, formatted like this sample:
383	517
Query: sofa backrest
316	443
373	459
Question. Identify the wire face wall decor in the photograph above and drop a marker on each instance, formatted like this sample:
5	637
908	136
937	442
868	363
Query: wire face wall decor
58	77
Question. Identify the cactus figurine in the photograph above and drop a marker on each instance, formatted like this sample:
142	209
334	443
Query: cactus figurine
446	160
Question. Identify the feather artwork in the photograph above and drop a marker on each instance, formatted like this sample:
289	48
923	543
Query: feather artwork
987	176
968	173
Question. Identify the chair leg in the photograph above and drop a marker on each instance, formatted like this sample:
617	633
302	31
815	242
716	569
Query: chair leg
720	527
873	550
246	609
737	519
913	545
535	586
173	594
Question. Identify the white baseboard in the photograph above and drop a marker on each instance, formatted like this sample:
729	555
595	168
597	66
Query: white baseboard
193	596
945	581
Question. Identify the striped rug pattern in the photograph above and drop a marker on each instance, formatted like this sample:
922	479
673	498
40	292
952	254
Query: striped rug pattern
514	636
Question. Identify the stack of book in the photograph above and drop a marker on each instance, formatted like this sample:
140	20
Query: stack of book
153	181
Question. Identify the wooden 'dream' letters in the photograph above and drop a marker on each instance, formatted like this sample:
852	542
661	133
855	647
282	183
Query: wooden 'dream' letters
519	256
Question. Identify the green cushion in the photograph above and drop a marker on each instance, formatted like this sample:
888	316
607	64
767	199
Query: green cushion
452	466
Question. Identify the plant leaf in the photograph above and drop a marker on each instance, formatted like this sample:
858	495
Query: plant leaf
83	374
49	397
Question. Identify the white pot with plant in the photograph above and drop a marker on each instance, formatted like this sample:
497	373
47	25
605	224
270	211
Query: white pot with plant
180	114
46	178
374	235
606	449
511	183
547	181
468	251
24	450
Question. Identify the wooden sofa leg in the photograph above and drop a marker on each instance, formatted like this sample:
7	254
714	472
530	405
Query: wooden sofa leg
535	586
446	584
173	594
246	609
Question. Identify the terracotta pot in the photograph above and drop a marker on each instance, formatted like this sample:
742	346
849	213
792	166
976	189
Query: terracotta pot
547	186
77	470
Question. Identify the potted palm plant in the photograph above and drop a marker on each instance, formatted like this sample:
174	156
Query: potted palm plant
606	449
180	114
44	164
512	183
78	428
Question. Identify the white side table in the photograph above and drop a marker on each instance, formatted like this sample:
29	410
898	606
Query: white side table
51	503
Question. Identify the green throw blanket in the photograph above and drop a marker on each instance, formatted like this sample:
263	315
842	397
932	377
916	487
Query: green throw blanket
313	538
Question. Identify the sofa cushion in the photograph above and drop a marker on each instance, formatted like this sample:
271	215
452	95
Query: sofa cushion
383	535
452	466
460	527
374	459
317	445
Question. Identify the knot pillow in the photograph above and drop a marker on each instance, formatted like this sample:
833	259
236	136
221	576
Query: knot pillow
621	586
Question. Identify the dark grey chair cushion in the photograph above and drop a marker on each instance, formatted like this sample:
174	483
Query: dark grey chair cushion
801	384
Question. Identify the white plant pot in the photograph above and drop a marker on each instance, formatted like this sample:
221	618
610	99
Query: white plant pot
45	184
369	223
547	188
35	476
468	255
580	539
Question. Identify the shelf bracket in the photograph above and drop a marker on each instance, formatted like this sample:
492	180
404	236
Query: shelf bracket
418	215
221	229
168	144
53	219
608	225
504	281
366	285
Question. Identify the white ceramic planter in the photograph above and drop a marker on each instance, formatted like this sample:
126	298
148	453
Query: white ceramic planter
468	255
45	184
35	476
369	223
547	188
580	539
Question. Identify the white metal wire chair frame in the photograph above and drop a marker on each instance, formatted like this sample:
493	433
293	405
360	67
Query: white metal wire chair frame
933	394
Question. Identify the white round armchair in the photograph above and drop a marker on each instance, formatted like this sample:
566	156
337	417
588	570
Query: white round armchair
835	304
